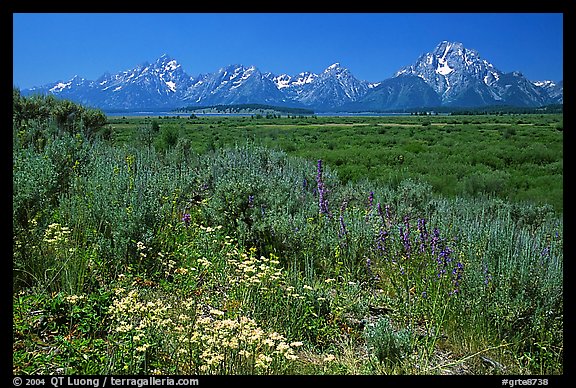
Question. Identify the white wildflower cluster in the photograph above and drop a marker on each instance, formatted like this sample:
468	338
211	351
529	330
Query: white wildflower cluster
141	249
250	270
204	262
137	318
56	234
73	299
209	229
234	346
169	265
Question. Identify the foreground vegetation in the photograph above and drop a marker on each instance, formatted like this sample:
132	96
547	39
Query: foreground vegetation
142	255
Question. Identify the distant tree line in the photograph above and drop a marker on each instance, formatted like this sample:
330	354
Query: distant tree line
489	110
483	110
237	108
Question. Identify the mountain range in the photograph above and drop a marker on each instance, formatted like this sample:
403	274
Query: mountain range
449	76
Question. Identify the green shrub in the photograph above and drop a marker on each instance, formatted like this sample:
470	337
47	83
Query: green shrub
387	344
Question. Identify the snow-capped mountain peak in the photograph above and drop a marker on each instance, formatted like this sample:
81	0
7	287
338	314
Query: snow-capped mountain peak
450	74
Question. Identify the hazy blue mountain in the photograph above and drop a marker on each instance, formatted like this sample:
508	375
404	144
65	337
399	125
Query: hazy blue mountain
402	92
334	87
234	84
555	90
461	77
449	75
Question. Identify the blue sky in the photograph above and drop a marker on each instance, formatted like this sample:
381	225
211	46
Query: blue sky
49	47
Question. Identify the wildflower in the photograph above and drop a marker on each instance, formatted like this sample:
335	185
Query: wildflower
216	312
181	270
282	346
140	246
269	342
343	231
435	240
487	276
381	241
322	201
72	299
379	210
244	353
405	234
275	336
370	205
441	261
329	357
186	218
456	277
423	233
55	233
263	361
250	201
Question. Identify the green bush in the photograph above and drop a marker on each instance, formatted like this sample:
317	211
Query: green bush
386	344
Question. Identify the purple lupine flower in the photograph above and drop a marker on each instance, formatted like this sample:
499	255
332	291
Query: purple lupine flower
370	205
545	256
370	200
384	216
381	242
379	210
186	219
423	234
250	201
487	276
456	277
322	200
442	260
435	240
405	234
343	231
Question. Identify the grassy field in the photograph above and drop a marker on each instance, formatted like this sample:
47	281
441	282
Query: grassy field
303	246
515	157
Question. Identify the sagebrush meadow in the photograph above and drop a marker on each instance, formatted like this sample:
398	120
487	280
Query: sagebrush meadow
286	245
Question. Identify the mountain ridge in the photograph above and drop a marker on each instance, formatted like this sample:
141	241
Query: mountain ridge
449	75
